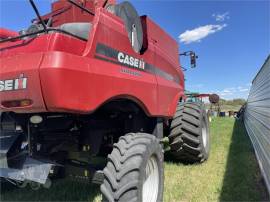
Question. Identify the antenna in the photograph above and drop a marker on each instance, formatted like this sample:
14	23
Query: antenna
38	15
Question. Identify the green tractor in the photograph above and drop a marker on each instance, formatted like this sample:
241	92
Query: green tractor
193	97
198	97
213	106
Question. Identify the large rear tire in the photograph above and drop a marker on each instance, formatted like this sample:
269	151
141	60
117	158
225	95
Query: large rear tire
189	137
134	172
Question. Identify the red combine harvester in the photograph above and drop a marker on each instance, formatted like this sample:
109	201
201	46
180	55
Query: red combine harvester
87	92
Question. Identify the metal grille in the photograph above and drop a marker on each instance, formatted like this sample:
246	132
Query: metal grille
257	119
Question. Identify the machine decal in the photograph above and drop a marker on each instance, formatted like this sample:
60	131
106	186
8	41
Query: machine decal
131	61
13	84
111	55
128	71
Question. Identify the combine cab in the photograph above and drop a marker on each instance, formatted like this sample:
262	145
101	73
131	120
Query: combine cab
87	92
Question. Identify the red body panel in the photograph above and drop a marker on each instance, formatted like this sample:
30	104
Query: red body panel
66	74
72	14
27	64
4	33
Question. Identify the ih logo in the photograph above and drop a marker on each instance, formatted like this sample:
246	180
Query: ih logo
13	84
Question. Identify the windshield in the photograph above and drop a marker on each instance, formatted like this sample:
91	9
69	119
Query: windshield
39	26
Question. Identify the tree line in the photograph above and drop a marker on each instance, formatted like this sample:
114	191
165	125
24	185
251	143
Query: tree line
232	102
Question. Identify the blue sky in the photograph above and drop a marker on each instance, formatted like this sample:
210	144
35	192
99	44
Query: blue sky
232	38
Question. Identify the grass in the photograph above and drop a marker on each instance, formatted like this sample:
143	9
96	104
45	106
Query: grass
230	174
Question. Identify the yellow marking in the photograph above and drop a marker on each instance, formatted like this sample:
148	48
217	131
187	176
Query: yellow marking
86	173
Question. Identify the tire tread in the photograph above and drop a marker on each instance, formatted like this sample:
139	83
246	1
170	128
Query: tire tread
184	137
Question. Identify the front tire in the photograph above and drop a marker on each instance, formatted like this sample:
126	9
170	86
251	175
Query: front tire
134	172
189	137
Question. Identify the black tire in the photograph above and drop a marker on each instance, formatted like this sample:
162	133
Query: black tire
189	137
125	172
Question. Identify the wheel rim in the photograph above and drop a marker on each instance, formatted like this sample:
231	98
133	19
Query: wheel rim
151	182
204	135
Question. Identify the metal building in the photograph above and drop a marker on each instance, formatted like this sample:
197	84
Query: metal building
257	119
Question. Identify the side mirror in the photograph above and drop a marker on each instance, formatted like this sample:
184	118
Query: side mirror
193	58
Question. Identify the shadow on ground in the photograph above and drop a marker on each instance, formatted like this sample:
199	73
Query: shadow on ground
242	180
62	190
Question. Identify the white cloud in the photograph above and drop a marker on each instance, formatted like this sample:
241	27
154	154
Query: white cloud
244	90
226	91
221	17
234	92
199	33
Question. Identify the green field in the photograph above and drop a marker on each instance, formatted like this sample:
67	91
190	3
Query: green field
230	174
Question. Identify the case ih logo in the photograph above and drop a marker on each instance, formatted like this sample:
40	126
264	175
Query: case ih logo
131	61
13	84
